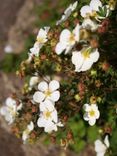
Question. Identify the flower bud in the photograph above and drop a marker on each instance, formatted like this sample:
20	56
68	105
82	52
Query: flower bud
34	109
42	57
99	99
93	73
108	129
53	139
69	136
98	83
33	135
77	97
81	87
64	143
58	67
105	66
93	100
94	43
65	118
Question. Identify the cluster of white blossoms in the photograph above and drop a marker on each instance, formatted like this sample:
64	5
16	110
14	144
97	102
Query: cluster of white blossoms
101	147
91	113
84	59
47	95
40	41
27	132
94	9
10	110
48	92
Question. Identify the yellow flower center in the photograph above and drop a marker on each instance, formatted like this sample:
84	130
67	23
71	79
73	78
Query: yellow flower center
94	14
72	38
86	54
12	112
92	113
48	93
47	114
40	40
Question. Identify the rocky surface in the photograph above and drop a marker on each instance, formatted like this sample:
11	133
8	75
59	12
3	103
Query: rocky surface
8	14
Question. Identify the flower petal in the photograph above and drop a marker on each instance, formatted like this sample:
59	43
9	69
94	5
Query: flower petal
43	86
85	10
90	24
30	126
65	34
92	121
86	107
47	105
100	148
76	32
35	49
86	65
10	102
86	118
42	34
55	116
77	60
68	49
33	81
19	107
60	47
54	85
41	122
3	110
38	97
95	55
55	96
106	141
95	4
50	126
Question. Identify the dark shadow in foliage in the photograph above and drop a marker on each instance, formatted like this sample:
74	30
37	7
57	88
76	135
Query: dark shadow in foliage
109	41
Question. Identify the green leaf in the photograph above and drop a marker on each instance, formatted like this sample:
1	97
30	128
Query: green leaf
78	146
92	134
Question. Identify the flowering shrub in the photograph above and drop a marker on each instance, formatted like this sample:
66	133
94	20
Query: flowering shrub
71	85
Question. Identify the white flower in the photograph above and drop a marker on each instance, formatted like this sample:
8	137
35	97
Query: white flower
92	113
40	41
93	9
67	40
35	50
47	91
10	110
42	35
84	59
101	147
33	81
89	24
48	117
67	12
8	49
89	10
28	130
